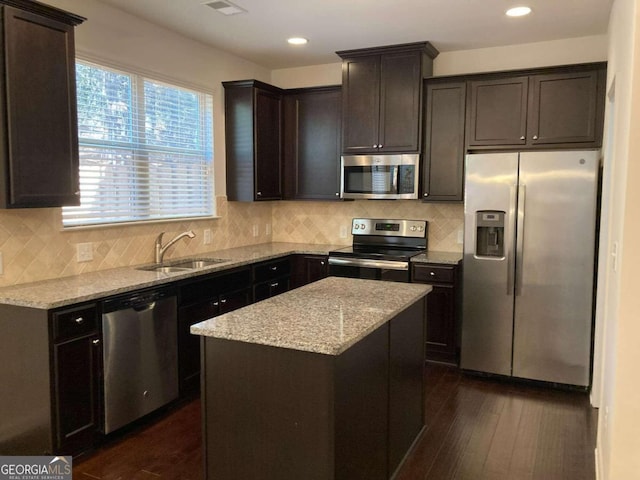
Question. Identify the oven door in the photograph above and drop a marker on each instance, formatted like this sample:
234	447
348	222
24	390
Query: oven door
393	271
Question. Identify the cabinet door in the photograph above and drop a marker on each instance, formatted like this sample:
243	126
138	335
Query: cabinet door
42	132
443	168
317	268
271	288
400	102
77	386
497	111
565	108
189	345
360	104
268	138
312	138
234	300
441	326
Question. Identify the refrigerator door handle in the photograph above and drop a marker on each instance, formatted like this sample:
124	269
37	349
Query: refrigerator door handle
510	239
522	194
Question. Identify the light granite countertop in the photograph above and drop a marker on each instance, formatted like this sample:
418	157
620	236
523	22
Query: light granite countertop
85	287
327	316
447	258
55	293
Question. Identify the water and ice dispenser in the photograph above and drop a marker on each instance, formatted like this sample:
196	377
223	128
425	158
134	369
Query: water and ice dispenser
489	233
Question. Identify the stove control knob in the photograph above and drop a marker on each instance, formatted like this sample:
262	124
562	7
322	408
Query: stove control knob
413	228
421	229
363	226
356	226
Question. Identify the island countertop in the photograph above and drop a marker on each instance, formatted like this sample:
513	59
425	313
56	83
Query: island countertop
326	317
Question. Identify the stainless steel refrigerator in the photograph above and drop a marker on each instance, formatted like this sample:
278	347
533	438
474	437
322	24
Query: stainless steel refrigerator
529	247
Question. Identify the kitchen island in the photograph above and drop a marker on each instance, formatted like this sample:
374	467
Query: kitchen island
322	382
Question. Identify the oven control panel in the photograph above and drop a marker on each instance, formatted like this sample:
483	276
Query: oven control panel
385	227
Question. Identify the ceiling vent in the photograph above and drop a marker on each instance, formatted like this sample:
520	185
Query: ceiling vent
225	8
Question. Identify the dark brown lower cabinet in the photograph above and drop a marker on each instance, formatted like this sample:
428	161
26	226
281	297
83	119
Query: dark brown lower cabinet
308	268
279	413
200	301
77	393
442	310
271	278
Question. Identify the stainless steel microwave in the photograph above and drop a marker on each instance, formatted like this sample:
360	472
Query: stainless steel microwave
379	176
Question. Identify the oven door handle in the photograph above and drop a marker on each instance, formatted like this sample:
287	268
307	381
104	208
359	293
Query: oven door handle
367	263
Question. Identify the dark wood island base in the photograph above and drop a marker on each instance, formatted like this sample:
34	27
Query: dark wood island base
282	413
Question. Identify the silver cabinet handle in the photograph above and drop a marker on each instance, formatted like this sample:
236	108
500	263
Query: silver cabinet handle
273	269
379	145
535	137
425	195
433	274
215	304
79	320
274	285
374	145
522	137
259	194
337	194
322	262
223	301
96	341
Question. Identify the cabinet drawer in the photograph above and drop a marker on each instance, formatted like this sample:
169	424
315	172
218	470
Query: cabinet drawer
430	273
271	270
74	322
266	290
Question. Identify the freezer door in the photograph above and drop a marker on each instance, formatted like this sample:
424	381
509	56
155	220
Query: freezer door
555	267
488	273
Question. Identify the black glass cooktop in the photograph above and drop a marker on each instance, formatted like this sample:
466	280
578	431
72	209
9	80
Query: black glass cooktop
376	252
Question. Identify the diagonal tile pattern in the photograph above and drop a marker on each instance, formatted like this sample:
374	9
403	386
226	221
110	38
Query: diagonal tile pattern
34	246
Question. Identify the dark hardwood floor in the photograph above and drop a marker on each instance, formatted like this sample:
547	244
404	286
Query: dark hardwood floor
477	429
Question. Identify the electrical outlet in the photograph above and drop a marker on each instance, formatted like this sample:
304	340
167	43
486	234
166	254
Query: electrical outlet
255	230
343	231
207	236
84	252
267	229
460	237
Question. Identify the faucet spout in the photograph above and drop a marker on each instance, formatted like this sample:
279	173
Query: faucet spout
160	250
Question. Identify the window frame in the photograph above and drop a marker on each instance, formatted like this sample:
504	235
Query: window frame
141	149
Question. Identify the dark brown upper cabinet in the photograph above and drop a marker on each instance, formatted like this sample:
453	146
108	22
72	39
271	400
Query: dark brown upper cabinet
38	116
559	107
312	143
382	97
253	138
443	161
498	111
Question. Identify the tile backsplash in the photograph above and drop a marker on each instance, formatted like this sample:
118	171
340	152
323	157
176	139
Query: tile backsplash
34	246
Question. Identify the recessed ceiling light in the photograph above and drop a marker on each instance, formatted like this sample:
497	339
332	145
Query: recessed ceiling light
297	41
518	11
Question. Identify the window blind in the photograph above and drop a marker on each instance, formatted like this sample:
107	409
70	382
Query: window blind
146	149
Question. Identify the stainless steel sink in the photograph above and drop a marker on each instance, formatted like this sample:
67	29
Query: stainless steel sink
164	268
194	263
183	265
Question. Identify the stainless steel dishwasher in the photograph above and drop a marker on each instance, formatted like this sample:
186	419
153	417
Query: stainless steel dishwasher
140	354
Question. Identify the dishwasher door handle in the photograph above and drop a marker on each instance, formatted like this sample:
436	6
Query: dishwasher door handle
143	307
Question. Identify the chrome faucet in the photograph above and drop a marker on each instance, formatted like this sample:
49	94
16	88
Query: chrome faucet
160	250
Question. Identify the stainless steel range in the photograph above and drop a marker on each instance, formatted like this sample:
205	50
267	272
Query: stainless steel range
381	249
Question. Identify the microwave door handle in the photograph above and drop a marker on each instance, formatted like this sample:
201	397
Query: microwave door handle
394	178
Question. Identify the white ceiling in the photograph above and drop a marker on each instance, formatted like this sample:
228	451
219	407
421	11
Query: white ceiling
331	25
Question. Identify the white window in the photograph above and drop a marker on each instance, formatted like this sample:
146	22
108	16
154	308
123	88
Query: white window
146	149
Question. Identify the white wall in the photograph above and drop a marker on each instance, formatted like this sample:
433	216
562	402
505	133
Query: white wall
619	419
529	55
